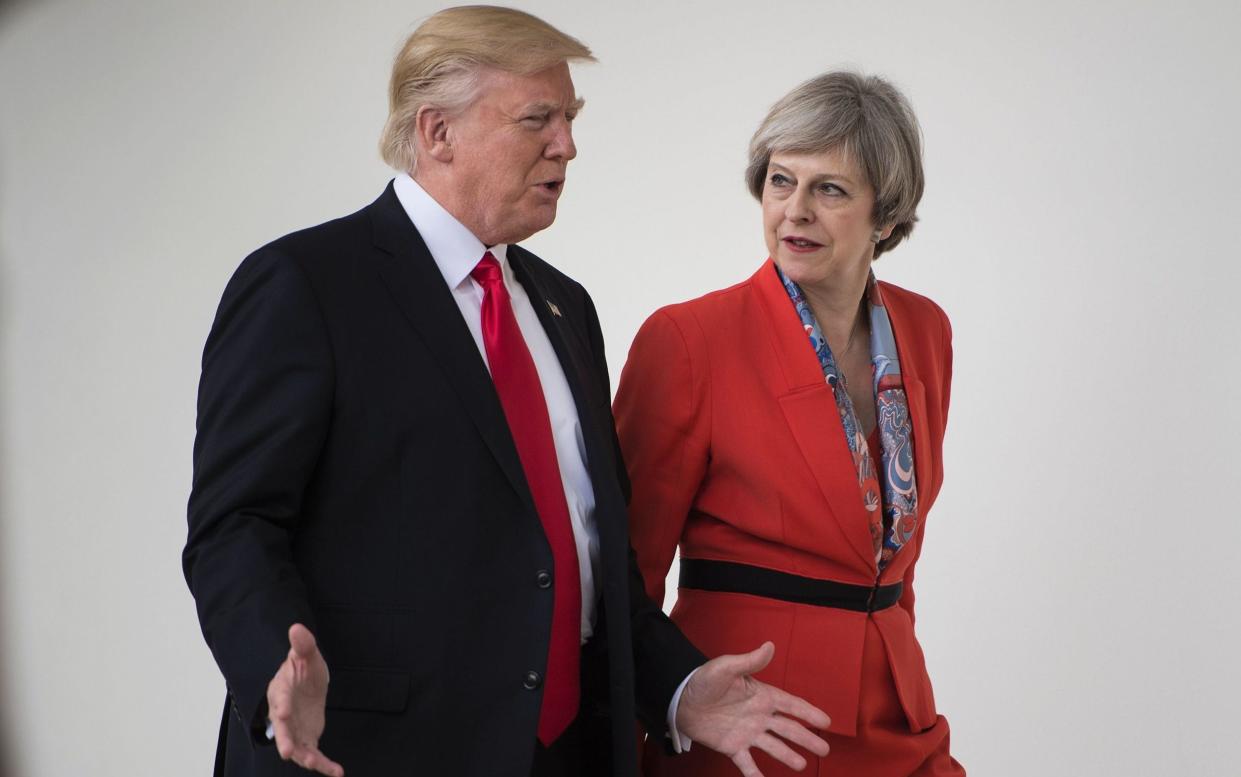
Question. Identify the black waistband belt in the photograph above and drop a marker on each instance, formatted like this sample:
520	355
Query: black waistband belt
730	577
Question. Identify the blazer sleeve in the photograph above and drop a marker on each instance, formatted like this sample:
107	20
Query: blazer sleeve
662	417
264	404
907	596
663	656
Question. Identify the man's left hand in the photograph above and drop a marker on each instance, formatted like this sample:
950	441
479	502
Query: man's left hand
727	710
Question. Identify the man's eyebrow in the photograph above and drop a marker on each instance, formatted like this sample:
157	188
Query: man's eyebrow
546	107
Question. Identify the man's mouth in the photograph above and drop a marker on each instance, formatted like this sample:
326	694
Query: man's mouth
553	186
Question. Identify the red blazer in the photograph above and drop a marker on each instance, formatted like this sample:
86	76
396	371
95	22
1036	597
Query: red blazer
735	449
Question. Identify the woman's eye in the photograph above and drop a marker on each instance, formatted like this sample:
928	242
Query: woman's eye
832	189
778	180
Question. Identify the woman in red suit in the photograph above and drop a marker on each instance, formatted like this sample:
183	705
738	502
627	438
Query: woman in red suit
786	434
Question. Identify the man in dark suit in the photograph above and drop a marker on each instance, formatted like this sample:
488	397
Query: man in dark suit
406	470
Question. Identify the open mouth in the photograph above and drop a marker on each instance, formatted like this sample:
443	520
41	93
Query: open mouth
552	186
801	243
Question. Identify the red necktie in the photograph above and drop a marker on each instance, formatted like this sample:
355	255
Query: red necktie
521	395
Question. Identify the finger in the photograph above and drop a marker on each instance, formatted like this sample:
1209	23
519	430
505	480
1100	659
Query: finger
301	641
285	744
745	763
797	707
313	759
799	735
780	751
745	663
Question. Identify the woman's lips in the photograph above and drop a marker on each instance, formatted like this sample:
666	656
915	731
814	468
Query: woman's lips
800	245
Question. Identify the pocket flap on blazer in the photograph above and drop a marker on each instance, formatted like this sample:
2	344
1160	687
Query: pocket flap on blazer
375	690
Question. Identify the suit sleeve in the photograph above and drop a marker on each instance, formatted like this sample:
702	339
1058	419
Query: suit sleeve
662	415
663	656
264	404
907	596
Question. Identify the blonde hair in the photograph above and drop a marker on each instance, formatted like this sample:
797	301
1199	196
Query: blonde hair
869	120
440	63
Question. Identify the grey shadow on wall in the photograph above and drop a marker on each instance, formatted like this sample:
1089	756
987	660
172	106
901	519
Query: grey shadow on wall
7	7
6	325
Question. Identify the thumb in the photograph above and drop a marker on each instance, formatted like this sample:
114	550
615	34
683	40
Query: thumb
301	641
749	663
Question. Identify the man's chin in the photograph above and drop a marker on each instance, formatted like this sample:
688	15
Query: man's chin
537	223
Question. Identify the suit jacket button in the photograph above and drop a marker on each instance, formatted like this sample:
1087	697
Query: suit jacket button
544	578
532	680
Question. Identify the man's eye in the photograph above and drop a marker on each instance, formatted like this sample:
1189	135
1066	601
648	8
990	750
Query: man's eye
534	121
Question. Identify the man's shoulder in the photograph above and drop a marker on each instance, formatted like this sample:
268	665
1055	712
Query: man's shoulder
321	252
323	240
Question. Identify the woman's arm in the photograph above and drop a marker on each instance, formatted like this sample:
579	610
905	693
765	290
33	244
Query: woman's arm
662	411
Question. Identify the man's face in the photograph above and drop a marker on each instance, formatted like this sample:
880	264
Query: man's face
510	151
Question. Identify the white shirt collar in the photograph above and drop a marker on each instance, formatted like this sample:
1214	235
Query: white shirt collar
454	248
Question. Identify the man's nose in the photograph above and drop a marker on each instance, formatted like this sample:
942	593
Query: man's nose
561	145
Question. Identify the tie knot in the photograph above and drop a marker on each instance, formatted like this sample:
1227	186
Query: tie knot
488	272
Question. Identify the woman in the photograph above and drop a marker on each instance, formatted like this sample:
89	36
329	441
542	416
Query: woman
786	433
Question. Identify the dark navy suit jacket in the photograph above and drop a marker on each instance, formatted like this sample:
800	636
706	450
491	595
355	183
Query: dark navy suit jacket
353	471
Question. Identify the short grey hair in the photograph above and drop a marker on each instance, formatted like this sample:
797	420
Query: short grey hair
440	63
869	120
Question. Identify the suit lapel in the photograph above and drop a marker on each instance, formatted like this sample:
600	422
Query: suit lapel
915	395
810	411
556	315
564	330
418	289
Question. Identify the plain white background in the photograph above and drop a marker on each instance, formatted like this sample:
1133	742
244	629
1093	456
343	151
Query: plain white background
1078	593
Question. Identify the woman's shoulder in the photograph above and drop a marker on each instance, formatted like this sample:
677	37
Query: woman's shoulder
697	325
912	304
712	306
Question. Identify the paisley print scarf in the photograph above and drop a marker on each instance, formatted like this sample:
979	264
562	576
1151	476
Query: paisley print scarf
890	496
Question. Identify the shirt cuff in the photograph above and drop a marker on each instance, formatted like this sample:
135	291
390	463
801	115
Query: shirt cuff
680	742
270	733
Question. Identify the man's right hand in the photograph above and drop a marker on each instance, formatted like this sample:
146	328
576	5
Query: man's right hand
295	704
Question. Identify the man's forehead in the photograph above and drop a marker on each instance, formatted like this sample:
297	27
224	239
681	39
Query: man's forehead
550	89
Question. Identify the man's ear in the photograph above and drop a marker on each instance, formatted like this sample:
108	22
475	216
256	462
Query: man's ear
431	134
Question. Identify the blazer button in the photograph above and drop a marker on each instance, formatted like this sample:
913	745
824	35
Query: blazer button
544	578
532	680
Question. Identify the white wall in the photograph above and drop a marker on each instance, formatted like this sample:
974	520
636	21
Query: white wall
1078	594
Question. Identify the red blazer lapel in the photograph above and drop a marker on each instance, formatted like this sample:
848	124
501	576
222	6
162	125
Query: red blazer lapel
809	409
911	346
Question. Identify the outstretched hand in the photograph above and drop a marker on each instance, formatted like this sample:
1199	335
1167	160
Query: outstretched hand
295	702
727	710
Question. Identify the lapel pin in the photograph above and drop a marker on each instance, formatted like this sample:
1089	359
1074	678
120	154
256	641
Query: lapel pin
555	310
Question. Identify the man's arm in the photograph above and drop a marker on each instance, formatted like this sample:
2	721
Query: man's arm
720	704
264	405
663	656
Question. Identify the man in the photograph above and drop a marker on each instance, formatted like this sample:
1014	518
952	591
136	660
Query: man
406	471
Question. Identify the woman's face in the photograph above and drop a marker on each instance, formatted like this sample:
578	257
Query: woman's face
817	216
